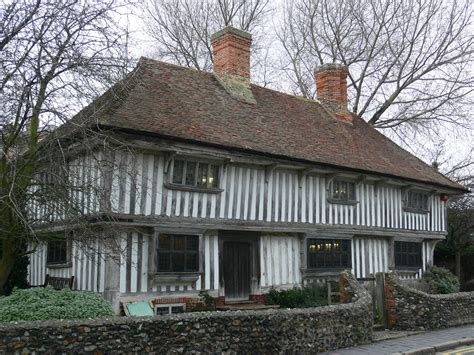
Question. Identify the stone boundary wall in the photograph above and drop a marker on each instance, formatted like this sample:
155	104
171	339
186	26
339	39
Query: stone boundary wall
411	309
270	331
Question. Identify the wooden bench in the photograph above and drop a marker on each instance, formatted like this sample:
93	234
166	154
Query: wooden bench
58	283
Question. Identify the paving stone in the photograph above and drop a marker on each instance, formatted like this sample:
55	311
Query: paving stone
420	341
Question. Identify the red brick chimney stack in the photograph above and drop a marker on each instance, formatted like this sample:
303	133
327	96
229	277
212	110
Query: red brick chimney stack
231	51
331	86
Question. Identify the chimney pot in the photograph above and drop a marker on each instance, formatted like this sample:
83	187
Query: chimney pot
331	87
231	51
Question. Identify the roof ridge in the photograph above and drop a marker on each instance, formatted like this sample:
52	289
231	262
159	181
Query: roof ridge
212	74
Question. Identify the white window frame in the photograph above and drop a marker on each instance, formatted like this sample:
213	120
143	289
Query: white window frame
169	305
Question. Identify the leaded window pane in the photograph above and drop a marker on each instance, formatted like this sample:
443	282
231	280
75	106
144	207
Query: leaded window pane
195	174
408	254
164	242
213	176
57	251
352	192
336	190
191	173
192	261
192	244
164	261
328	253
343	190
202	174
179	242
178	253
178	262
417	200
178	171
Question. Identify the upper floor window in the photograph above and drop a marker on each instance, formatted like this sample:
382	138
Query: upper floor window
329	253
178	253
407	254
415	200
343	191
195	174
57	251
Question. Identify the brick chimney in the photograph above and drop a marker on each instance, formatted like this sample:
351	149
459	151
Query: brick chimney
331	87
231	51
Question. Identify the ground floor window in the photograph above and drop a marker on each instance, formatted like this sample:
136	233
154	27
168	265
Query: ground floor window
57	251
164	309
407	254
329	253
178	253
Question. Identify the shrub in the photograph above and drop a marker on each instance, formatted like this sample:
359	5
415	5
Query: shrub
18	276
47	303
312	296
441	280
209	301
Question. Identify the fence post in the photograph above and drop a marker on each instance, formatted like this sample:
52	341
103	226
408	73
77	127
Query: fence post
380	296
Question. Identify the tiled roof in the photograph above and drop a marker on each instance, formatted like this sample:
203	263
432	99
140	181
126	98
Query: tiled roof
178	102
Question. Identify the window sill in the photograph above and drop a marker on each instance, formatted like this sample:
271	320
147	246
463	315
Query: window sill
407	269
321	272
343	202
59	265
174	278
209	190
415	210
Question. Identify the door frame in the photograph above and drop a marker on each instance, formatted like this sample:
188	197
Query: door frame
253	238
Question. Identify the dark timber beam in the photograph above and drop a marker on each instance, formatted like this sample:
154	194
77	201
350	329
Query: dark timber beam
269	170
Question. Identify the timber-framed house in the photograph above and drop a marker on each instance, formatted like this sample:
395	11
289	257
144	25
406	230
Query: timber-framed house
237	188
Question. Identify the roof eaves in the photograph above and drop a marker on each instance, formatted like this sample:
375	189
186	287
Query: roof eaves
460	189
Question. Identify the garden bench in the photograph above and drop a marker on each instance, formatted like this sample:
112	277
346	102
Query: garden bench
58	283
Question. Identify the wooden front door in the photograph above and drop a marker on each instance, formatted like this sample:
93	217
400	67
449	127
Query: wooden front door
237	270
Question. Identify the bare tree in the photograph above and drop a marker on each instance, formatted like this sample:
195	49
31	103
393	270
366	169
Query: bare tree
458	167
54	57
408	59
182	28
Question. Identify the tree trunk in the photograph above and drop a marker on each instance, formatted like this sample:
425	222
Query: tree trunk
6	262
458	264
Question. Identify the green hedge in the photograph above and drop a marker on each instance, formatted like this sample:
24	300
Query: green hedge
441	280
46	303
313	296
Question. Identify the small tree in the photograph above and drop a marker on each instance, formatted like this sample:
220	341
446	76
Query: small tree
460	228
